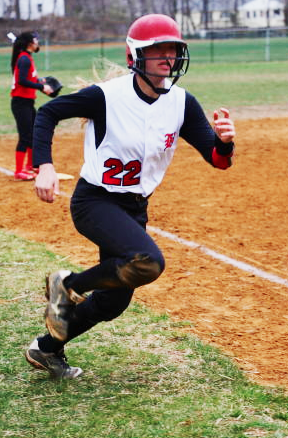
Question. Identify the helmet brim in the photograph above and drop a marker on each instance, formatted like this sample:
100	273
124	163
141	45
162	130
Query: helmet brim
139	44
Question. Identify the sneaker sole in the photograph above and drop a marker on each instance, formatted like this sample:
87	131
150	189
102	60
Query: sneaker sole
74	297
55	327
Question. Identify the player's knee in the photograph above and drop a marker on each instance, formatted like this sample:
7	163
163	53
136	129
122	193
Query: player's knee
140	270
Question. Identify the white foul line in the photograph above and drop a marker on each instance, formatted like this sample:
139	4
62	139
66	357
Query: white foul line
216	255
225	259
6	171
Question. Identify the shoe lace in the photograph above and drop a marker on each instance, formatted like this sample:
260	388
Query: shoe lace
60	356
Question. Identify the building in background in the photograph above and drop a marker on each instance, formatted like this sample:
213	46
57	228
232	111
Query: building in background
203	15
31	9
223	14
6	8
262	13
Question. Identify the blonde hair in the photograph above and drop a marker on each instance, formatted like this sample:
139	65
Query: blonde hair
109	71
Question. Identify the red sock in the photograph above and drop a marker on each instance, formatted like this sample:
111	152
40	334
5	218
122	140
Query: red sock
20	156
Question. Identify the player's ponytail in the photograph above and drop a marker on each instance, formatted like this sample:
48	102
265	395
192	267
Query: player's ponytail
21	43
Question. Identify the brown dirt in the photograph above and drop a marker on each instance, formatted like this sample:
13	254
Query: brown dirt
241	213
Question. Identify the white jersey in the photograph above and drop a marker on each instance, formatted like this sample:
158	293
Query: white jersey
140	138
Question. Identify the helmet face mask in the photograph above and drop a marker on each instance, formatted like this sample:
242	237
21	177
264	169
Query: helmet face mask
150	30
178	64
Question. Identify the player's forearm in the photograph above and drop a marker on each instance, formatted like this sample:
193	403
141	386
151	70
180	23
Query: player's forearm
24	66
42	137
29	84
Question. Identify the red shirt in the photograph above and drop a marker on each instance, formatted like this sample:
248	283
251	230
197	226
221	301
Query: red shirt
20	90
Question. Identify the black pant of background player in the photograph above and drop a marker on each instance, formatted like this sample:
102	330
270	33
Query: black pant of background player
24	113
116	224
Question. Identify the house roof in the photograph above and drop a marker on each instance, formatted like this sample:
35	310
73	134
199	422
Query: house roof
255	5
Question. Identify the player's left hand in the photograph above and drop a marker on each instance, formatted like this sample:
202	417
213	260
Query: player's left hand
47	89
52	86
47	183
223	126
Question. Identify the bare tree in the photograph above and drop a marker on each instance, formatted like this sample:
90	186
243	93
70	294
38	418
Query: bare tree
55	6
172	8
286	12
17	9
73	8
144	7
187	7
29	10
132	9
234	16
205	14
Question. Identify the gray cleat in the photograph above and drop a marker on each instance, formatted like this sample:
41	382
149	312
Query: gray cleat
55	363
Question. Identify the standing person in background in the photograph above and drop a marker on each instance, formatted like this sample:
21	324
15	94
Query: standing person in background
134	124
25	84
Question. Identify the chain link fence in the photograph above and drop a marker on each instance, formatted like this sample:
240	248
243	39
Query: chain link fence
240	45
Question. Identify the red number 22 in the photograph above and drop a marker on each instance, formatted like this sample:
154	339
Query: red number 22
115	167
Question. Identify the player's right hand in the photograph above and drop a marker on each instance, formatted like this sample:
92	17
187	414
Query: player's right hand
223	126
47	183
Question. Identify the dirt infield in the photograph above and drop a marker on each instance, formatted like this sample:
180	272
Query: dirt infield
241	213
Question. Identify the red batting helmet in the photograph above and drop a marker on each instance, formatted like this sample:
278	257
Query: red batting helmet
155	29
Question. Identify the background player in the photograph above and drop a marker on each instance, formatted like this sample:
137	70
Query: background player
134	124
25	84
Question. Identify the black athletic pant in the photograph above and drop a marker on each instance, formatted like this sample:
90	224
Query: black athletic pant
116	224
24	113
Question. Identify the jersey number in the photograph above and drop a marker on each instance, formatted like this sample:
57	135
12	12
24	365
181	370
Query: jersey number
115	167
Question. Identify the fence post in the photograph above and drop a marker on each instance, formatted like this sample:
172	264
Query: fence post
47	63
267	45
212	47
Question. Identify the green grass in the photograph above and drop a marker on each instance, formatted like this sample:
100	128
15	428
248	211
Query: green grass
238	85
67	59
143	376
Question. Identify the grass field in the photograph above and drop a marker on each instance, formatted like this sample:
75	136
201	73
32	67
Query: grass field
143	376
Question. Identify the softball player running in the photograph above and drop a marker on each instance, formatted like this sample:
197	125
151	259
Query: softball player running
134	124
25	84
